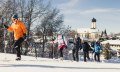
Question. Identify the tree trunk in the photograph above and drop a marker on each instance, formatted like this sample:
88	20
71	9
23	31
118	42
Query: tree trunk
43	45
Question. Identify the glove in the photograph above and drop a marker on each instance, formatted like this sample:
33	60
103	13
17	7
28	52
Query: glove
24	36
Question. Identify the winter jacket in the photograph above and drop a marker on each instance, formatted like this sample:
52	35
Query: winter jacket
78	43
19	29
72	46
97	48
62	43
86	47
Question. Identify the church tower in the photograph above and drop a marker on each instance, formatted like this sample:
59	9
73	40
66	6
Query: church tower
93	26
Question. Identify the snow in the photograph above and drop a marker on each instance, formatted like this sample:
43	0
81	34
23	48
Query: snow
112	60
87	30
31	64
113	42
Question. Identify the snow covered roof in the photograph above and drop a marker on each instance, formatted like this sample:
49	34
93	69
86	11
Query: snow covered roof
93	30
83	30
113	42
87	30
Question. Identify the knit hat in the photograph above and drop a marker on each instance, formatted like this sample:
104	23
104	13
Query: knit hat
15	16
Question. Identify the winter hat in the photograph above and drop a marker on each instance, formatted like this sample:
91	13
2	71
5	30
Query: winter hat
15	16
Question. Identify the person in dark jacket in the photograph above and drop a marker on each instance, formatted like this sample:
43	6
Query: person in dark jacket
86	48
77	42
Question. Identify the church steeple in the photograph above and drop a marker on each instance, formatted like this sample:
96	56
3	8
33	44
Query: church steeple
93	26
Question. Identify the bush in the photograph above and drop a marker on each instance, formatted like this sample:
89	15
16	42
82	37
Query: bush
107	52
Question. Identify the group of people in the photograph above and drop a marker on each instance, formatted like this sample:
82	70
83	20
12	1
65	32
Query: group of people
86	47
83	45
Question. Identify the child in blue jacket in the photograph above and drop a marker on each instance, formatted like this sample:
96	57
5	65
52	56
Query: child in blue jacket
96	51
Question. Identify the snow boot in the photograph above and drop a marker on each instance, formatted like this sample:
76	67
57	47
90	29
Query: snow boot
18	59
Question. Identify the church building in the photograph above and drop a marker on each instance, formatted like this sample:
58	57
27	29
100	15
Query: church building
91	33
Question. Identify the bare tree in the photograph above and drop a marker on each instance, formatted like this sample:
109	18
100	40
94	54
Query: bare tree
48	21
6	12
51	23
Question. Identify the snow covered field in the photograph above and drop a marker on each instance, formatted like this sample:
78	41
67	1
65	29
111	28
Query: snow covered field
31	64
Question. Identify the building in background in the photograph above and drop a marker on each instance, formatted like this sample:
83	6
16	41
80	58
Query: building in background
91	33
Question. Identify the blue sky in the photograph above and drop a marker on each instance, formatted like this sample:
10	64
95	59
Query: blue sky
78	13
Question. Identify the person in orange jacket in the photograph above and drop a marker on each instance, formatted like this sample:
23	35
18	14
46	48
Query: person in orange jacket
19	29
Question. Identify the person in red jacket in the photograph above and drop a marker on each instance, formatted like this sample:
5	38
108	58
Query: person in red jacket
19	29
